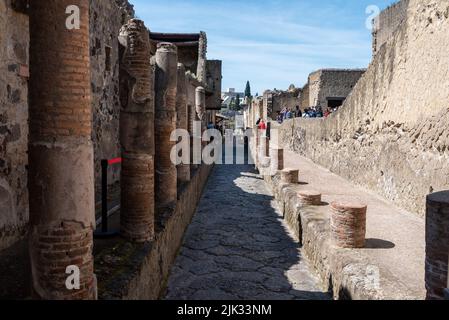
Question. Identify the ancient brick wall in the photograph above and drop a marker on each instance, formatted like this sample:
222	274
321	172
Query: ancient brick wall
14	42
387	23
106	19
391	135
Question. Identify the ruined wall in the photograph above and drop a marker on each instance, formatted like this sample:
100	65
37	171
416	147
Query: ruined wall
305	97
214	79
331	83
14	43
106	19
391	135
387	23
284	99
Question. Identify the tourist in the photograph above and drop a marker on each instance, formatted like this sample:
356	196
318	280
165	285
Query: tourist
327	113
298	113
262	125
279	118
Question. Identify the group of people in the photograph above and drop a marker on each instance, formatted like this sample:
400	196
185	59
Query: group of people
311	112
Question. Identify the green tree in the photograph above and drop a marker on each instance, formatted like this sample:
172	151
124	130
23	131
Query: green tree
248	90
237	103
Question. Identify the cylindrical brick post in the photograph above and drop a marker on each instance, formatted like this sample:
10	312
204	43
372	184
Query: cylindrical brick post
348	224
290	176
182	118
165	124
136	133
277	159
437	244
61	159
309	198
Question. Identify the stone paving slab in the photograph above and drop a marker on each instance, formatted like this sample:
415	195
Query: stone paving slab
238	246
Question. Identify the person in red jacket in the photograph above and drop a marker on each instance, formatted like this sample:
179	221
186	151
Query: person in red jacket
262	125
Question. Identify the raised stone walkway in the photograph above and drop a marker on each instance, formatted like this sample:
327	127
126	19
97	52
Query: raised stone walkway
395	238
238	246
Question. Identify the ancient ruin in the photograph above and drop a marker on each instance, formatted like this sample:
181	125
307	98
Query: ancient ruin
95	106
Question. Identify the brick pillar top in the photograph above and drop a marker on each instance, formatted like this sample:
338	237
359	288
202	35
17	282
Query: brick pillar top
167	47
439	197
309	193
354	206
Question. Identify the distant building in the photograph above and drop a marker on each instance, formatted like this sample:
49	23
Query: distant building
229	95
329	88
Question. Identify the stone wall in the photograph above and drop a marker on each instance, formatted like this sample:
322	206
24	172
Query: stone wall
276	100
106	19
305	97
387	23
14	43
391	135
331	83
214	79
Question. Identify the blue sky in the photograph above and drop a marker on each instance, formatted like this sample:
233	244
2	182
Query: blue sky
271	43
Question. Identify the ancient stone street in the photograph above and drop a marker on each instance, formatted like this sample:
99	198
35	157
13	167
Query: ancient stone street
238	246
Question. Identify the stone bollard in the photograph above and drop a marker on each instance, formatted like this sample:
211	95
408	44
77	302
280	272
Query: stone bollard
309	198
437	244
165	123
290	176
277	159
348	224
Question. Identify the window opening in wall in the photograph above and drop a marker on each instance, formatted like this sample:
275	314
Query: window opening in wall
335	102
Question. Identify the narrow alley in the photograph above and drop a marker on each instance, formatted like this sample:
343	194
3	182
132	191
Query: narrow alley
238	246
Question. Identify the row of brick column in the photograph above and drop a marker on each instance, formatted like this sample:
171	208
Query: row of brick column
61	169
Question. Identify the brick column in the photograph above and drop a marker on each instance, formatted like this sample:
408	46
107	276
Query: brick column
277	159
348	224
136	133
437	244
61	168
309	198
290	176
165	124
182	117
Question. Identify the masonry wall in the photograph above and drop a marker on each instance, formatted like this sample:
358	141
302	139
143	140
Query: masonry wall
283	100
387	23
14	43
214	79
391	135
331	83
106	19
305	98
